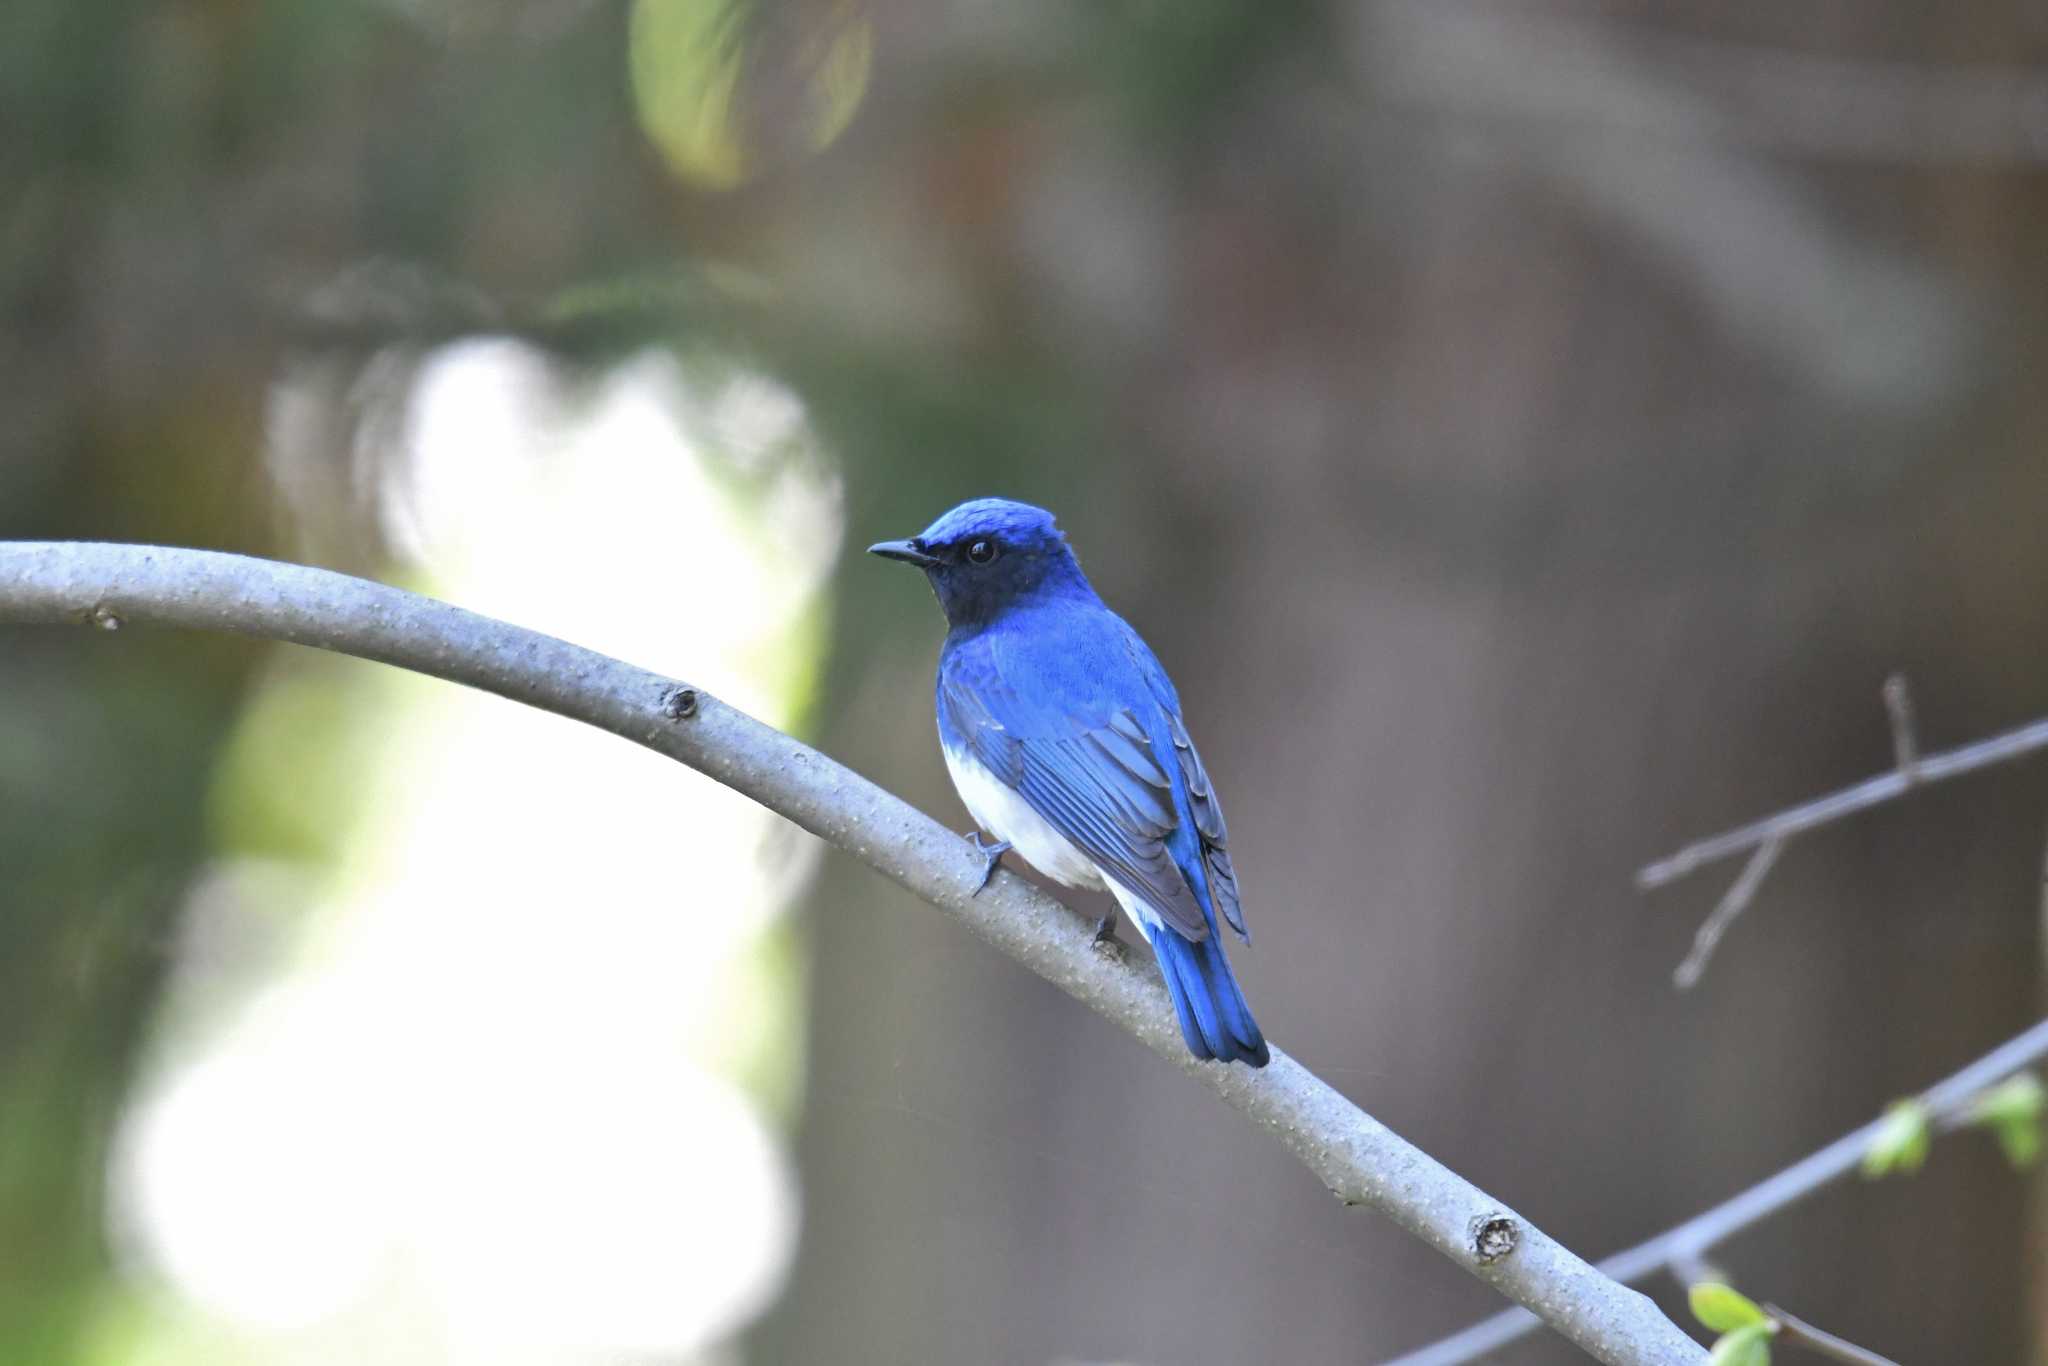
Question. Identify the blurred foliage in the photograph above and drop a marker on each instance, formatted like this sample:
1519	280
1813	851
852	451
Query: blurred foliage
723	111
111	755
290	780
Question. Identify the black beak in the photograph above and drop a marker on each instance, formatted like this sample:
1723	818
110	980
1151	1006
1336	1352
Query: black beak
905	551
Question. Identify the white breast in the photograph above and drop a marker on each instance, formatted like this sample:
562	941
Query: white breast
1007	816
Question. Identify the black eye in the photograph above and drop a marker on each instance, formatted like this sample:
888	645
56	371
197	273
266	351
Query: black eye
981	552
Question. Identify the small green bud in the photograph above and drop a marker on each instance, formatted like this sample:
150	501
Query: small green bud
1901	1141
1749	1345
1723	1308
2012	1111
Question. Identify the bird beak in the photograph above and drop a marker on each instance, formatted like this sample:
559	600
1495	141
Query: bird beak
905	551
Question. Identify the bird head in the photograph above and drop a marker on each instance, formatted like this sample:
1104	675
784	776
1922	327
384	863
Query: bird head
989	555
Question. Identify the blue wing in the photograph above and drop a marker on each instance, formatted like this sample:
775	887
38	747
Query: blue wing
1208	816
1078	718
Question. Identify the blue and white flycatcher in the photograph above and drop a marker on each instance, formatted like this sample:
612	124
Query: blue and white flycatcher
1064	737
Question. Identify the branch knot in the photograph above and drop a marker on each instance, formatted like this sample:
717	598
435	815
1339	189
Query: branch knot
1494	1236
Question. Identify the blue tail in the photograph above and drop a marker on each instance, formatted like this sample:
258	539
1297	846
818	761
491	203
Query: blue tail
1213	1016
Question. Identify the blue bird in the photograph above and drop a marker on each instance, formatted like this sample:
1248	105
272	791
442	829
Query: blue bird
1063	735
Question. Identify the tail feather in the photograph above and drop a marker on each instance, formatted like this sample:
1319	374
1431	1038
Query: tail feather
1172	966
1213	1015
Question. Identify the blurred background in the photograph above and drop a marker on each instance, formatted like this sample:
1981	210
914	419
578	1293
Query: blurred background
1529	432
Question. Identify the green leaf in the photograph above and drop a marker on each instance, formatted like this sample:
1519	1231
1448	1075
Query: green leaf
2017	1097
1722	1308
2021	1141
1901	1141
1749	1345
2012	1111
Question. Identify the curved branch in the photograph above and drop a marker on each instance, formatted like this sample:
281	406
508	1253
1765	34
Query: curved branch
1360	1160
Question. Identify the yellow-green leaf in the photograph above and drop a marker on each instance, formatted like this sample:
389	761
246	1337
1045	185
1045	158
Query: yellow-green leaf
2017	1097
1901	1141
2021	1140
2012	1111
1749	1345
1722	1308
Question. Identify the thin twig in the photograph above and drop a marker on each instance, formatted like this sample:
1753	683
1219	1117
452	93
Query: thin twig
1898	705
1689	1266
1791	1328
1732	905
1693	1239
1360	1160
1932	768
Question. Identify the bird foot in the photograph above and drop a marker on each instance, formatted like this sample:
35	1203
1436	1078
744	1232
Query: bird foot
991	855
1105	941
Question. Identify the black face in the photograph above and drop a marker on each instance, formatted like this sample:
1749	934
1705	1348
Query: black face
999	556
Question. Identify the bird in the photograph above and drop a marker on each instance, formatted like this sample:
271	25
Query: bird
1063	736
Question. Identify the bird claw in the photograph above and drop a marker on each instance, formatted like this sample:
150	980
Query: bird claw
1105	941
991	856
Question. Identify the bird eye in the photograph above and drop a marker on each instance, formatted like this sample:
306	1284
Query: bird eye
981	552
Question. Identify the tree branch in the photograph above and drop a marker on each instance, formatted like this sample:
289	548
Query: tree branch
1708	937
1792	1328
1911	772
1360	1160
1768	836
1688	1244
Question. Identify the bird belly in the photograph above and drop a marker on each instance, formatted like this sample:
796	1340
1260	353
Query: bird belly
1000	811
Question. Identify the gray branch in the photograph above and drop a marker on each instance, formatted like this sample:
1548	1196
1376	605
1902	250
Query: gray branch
1767	836
1792	1328
1360	1160
1932	768
1689	1243
1732	905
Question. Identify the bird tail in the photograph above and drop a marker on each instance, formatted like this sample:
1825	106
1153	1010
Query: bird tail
1213	1016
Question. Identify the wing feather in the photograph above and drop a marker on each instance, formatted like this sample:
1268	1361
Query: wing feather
1101	786
1208	814
1123	785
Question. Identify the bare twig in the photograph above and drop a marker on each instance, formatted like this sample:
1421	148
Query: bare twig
1360	1160
1932	768
1689	1266
1687	1245
1792	1328
1898	705
1732	905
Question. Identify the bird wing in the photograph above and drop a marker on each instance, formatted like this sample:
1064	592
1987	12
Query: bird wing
1208	814
1090	768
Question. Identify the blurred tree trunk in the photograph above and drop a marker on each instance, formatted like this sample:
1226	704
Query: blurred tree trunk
1491	563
